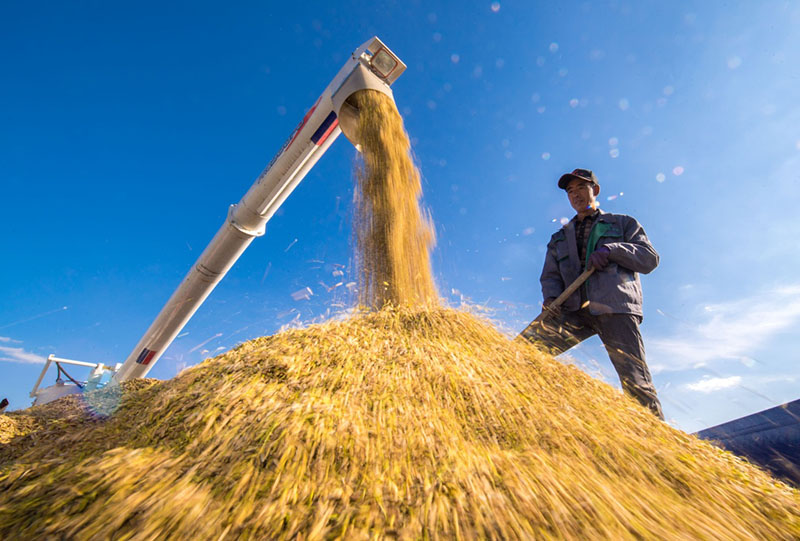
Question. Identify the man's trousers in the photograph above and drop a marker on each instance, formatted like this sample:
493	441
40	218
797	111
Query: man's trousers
621	337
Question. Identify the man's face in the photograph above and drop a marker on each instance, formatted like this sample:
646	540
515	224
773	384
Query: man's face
582	195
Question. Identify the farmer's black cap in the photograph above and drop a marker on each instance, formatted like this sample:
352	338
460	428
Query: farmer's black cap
581	174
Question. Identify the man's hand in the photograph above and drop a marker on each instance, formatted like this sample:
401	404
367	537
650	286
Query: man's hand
599	258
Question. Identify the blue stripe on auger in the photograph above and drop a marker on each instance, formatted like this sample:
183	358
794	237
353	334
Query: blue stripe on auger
145	356
324	129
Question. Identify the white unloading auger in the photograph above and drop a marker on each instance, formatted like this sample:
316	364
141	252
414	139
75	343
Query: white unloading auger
371	66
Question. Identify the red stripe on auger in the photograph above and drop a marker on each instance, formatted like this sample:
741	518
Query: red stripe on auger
302	124
145	356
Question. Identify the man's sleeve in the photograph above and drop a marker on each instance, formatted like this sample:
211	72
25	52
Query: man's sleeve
552	283
636	253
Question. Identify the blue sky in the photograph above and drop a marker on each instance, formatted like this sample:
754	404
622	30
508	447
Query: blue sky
126	130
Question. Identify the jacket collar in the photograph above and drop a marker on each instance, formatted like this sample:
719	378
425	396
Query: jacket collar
600	216
605	216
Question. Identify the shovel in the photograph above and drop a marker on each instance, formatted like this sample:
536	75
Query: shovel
553	306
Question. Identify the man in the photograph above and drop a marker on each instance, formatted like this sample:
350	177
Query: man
609	303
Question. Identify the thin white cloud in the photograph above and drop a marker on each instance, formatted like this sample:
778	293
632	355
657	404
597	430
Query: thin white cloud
710	385
732	330
19	355
7	339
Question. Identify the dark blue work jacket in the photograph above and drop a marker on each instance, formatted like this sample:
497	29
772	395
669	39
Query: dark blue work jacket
614	290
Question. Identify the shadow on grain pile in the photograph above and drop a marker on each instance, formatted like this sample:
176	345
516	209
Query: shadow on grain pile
413	423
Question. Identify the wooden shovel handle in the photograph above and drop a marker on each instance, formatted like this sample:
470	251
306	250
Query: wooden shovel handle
570	289
558	301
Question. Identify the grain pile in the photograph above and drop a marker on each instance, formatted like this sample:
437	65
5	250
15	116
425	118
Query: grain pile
411	421
394	236
401	422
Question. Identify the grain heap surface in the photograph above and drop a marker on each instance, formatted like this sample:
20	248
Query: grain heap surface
12	426
394	235
41	425
414	423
